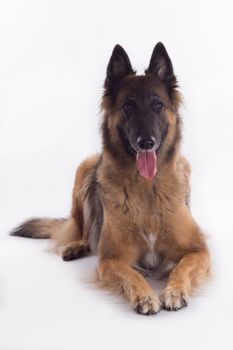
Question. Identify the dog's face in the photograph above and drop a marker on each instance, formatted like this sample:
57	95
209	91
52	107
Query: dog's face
141	111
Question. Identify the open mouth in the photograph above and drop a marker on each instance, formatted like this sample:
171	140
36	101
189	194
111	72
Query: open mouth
147	163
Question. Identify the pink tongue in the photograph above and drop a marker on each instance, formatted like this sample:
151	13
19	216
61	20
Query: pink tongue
146	164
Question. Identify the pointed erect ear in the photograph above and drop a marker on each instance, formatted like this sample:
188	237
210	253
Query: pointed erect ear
118	67
160	64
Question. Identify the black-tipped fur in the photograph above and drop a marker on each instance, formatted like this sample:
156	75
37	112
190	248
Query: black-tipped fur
36	228
161	67
118	68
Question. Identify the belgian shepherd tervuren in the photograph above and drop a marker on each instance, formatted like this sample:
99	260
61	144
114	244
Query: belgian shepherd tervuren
131	202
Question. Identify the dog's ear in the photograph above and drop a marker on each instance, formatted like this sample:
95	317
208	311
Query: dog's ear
118	67
160	65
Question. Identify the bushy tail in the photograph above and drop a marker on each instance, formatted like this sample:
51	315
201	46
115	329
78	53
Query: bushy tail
61	231
38	228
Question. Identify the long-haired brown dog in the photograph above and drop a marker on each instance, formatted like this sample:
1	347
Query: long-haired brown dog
131	202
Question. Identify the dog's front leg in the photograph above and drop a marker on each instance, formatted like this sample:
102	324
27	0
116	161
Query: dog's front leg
117	251
194	266
119	276
188	274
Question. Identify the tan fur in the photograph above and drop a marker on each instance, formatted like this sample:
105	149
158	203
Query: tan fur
178	237
133	213
130	222
70	232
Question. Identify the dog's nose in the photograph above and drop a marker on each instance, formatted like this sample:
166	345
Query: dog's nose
146	143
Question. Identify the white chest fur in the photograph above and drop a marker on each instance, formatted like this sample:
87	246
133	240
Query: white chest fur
150	259
151	262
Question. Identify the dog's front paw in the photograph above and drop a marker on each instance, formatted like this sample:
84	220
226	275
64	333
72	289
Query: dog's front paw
173	299
147	305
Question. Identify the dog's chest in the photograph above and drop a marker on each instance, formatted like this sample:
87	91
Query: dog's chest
150	258
152	262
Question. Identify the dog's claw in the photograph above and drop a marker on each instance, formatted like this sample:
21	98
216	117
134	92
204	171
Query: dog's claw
173	300
149	305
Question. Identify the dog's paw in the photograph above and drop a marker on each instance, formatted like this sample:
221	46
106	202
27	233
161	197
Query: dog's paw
173	299
147	305
74	252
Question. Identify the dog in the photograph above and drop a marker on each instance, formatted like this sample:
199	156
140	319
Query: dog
130	204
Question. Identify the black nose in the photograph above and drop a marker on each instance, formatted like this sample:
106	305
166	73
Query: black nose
144	143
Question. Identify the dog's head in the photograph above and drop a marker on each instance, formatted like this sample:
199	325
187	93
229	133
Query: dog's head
141	112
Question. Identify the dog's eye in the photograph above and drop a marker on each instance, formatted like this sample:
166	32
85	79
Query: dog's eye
157	106
129	106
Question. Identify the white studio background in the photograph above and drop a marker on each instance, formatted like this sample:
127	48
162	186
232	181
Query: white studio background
53	57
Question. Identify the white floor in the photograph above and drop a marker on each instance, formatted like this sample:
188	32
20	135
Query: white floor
52	65
46	303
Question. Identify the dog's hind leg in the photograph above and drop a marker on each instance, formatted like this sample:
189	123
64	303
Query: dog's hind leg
79	247
75	250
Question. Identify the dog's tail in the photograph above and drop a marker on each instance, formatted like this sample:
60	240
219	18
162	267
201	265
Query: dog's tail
61	231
